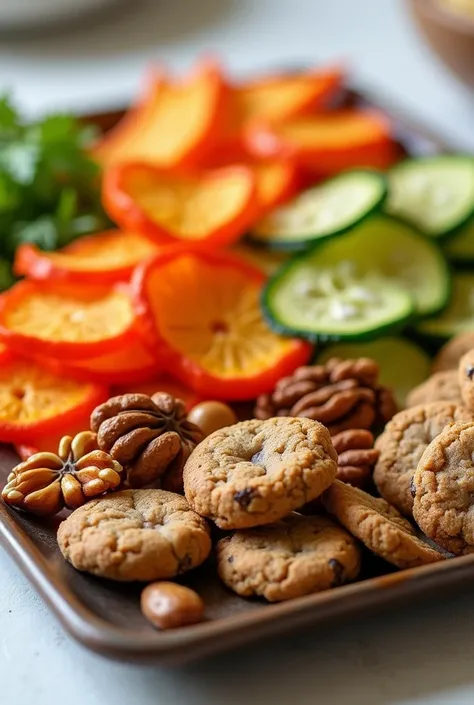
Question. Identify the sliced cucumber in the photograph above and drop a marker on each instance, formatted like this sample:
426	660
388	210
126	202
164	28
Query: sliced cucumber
458	317
435	194
460	248
359	285
403	364
268	261
328	209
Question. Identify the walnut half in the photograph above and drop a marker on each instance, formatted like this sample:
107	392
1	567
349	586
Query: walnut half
47	482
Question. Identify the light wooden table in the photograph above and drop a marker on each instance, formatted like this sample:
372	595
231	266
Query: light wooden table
419	655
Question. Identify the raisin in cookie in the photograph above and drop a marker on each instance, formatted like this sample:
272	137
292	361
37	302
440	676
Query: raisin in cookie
402	444
443	487
442	386
450	354
256	472
296	556
379	526
135	535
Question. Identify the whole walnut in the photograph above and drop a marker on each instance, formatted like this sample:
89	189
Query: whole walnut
150	436
46	482
341	394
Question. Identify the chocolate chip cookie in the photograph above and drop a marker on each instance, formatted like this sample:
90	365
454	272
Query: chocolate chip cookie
442	386
402	444
256	472
450	354
294	557
443	487
379	526
135	535
466	379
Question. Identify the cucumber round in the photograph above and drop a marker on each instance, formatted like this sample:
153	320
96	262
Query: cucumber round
458	317
388	352
460	248
435	194
357	286
325	210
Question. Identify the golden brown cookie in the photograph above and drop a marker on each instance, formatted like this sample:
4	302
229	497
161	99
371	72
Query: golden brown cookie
402	444
135	535
450	354
443	487
442	386
379	526
256	472
296	556
465	375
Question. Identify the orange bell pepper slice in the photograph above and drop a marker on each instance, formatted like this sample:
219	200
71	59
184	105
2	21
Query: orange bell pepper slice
65	321
132	363
214	207
277	181
173	125
278	98
205	307
34	402
327	143
103	258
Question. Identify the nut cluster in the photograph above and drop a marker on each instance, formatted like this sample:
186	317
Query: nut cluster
341	394
356	456
150	436
46	482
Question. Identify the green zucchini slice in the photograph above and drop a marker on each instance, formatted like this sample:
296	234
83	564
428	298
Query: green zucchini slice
458	317
435	194
325	210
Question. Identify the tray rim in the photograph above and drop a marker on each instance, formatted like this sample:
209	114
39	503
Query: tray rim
97	634
173	646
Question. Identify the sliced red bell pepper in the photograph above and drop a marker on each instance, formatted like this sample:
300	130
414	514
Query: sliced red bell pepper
103	258
326	143
204	306
66	321
35	403
174	123
213	207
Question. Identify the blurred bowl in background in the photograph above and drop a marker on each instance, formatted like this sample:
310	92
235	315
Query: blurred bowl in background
29	14
449	33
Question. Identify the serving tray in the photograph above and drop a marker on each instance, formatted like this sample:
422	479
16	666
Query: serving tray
105	616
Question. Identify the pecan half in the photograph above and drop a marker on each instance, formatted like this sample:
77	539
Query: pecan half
356	456
46	482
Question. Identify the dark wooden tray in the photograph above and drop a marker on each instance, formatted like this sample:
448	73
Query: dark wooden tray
105	616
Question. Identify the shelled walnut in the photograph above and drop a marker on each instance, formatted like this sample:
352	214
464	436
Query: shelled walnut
46	482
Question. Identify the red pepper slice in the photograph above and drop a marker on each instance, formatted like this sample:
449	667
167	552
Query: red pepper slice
103	258
36	403
65	321
205	307
327	143
173	125
214	207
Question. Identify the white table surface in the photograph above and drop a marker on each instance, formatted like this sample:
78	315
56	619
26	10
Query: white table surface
419	655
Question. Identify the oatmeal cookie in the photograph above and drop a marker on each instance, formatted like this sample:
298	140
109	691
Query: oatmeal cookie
256	472
442	386
466	379
443	487
450	354
135	535
402	444
296	556
379	526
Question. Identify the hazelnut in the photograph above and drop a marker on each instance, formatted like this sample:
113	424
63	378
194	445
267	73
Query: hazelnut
210	416
169	605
